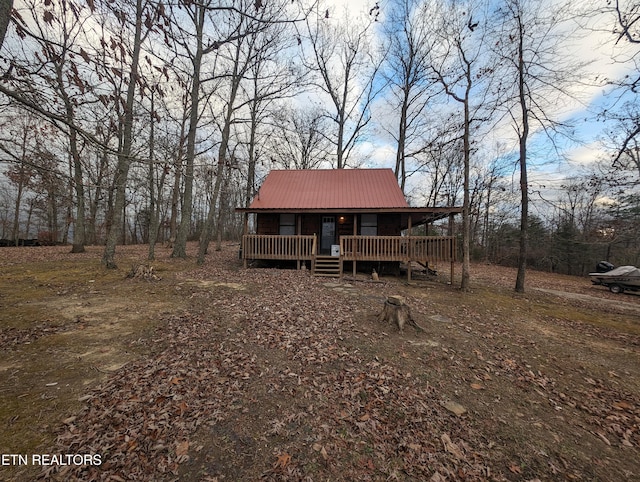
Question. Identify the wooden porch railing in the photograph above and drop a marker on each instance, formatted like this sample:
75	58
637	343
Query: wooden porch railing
398	248
422	249
260	246
352	248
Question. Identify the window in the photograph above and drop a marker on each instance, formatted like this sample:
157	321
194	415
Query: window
369	224
287	224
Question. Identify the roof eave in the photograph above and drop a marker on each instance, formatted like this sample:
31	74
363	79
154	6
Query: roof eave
418	215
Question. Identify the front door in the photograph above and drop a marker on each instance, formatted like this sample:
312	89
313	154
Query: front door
328	234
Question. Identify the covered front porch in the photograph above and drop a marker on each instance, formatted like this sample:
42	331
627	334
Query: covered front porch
424	250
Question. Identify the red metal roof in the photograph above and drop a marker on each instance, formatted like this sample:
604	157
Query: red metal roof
329	189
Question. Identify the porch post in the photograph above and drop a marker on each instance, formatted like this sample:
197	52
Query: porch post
453	246
355	242
409	253
243	246
298	232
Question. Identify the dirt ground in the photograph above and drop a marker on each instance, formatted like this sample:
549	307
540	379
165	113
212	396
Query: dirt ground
216	373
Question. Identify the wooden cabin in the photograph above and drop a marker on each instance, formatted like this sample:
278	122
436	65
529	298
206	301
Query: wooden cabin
336	217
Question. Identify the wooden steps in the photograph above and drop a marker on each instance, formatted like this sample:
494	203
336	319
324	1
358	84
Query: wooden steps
327	266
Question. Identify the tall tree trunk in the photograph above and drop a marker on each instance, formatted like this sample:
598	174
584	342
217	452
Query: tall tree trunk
524	184
29	215
5	15
16	214
251	169
223	210
175	191
153	224
79	239
180	246
400	171
21	180
91	228
340	153
52	213
124	151
175	201
205	236
79	231
466	221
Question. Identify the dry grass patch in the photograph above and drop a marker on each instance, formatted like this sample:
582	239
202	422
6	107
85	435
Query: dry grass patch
219	373
67	323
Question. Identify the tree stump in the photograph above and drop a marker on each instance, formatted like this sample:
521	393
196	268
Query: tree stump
397	312
141	271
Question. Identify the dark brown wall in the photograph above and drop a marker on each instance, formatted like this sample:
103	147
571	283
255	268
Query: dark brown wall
389	224
310	224
269	223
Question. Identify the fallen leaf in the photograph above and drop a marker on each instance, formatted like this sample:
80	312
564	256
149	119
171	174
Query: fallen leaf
182	448
451	447
622	405
436	477
282	462
324	454
604	439
455	408
477	386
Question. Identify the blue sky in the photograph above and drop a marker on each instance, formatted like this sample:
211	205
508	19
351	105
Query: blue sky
548	168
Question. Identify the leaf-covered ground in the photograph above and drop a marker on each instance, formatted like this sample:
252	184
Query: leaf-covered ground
219	373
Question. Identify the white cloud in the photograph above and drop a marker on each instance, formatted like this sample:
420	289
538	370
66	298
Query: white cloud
605	201
586	155
377	155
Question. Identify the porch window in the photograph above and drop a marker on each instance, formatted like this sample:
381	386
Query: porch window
287	224
369	224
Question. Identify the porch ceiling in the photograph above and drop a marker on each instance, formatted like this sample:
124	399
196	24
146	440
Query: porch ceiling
420	216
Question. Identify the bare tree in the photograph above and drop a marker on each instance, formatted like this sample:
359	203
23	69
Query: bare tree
343	57
65	68
272	76
256	39
197	13
457	65
407	72
125	141
532	45
628	16
241	54
619	20
623	138
299	138
17	150
236	23
490	178
58	68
